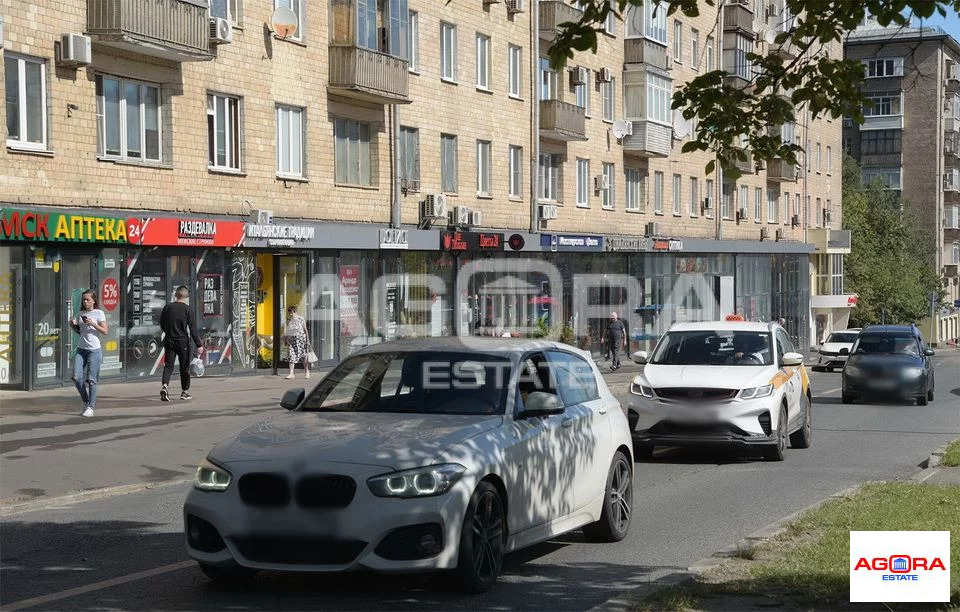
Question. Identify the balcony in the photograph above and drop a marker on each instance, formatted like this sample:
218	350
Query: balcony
738	17
951	145
779	171
745	165
829	241
174	30
882	122
648	140
562	121
950	270
880	159
643	51
552	14
364	74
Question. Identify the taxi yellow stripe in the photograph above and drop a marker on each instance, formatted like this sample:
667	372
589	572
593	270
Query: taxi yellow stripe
781	377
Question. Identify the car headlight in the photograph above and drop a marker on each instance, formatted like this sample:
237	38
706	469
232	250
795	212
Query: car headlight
852	370
642	390
755	392
418	482
211	477
913	372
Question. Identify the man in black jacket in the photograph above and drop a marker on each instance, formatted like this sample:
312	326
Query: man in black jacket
179	326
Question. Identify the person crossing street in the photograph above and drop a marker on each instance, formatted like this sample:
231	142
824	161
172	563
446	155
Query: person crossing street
616	339
179	327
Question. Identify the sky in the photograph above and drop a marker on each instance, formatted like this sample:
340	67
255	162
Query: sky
950	23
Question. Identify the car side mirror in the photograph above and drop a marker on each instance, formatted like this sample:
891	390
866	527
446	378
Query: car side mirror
540	403
292	398
844	351
639	357
928	352
791	359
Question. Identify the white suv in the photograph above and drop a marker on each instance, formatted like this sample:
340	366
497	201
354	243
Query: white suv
722	382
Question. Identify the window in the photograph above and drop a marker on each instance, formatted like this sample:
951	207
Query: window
772	199
129	118
352	152
821	214
515	72
726	203
483	167
829	213
757	204
677	194
483	61
399	42
788	133
608	193
884	67
297	7
678	41
25	84
413	41
383	26
956	252
516	171
583	182
819	158
575	380
786	209
695	49
658	192
879	141
882	105
953	216
548	80
448	163
829	159
655	21
743	201
709	53
742	65
409	151
694	196
659	92
583	93
289	140
448	52
607	94
549	177
889	177
708	192
636	192
226	9
610	25
223	132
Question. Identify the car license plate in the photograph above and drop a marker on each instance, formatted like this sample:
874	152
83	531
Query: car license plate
883	383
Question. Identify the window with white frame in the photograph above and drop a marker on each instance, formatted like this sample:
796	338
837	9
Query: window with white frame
744	201
408	150
819	158
786	209
483	61
582	93
383	26
413	41
757	204
708	193
883	67
694	196
448	51
352	153
514	70
226	9
806	211
636	192
223	132
742	65
297	7
709	51
829	158
788	132
484	159
516	171
678	41
659	93
658	192
882	105
655	21
448	163
821	214
726	204
583	182
549	171
889	176
695	49
548	80
129	114
608	193
677	194
25	81
607	93
290	140
952	220
773	198
956	252
610	24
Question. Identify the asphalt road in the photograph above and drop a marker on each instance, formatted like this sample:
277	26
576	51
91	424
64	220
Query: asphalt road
127	552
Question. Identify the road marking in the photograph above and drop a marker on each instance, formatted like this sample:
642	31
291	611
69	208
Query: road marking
831	390
97	586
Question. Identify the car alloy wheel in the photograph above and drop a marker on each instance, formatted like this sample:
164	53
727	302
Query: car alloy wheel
775	452
801	438
617	510
482	540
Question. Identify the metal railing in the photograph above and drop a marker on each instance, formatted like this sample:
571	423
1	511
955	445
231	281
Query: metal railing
368	73
179	24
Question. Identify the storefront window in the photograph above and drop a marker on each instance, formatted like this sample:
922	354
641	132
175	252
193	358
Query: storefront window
213	308
109	269
358	270
49	323
146	295
11	315
243	307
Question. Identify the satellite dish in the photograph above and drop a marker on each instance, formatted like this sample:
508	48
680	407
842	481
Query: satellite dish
681	127
621	128
283	22
769	36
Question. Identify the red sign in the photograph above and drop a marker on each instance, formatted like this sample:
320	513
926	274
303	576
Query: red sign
852	300
191	232
733	317
110	294
453	241
134	230
490	241
470	241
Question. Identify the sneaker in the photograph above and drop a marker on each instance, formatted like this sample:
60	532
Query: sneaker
164	394
288	376
88	412
186	396
307	375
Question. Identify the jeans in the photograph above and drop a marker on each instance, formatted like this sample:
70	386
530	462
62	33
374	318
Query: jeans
174	349
86	374
615	352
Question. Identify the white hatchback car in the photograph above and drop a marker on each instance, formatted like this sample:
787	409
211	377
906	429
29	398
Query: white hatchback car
419	455
731	383
830	355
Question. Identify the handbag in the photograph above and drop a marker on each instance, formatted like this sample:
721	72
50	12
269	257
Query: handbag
312	357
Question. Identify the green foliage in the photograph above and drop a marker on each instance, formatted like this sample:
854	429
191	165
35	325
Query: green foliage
560	333
891	266
733	109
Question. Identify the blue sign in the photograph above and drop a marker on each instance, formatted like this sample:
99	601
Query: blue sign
956	303
571	242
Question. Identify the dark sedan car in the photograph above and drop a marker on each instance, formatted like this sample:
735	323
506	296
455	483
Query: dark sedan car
889	361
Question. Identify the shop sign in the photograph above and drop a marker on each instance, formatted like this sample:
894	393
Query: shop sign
392	238
110	294
571	242
625	243
471	241
279	235
667	245
18	224
190	232
211	288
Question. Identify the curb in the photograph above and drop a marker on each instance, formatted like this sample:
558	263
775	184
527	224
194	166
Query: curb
937	456
74	498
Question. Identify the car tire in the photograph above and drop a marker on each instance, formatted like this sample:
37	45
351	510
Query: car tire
922	400
482	540
228	575
644	451
775	451
847	399
802	437
930	392
617	511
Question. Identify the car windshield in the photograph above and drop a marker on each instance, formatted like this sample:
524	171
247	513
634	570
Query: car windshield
427	382
843	337
714	348
877	344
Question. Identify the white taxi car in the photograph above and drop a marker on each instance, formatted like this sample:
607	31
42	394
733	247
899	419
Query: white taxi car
726	382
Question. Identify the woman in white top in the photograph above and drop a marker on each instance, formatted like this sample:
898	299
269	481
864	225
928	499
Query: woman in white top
90	323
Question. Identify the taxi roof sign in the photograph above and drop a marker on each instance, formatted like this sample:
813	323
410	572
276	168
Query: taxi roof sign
733	317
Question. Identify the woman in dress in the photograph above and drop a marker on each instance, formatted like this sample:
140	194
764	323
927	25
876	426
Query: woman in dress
90	323
297	341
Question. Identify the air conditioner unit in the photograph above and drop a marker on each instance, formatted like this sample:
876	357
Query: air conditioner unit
460	215
652	229
548	211
263	217
764	233
75	50
601	182
579	75
476	217
779	235
604	75
669	63
434	206
221	32
795	221
847	122
514	6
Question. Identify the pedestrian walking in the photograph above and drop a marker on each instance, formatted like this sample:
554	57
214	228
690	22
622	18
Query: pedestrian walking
616	338
179	327
297	340
89	323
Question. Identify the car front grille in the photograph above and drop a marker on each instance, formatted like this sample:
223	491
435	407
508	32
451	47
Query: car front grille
264	489
298	550
706	430
696	394
312	491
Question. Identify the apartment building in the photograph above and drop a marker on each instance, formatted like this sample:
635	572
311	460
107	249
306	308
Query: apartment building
910	137
392	168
